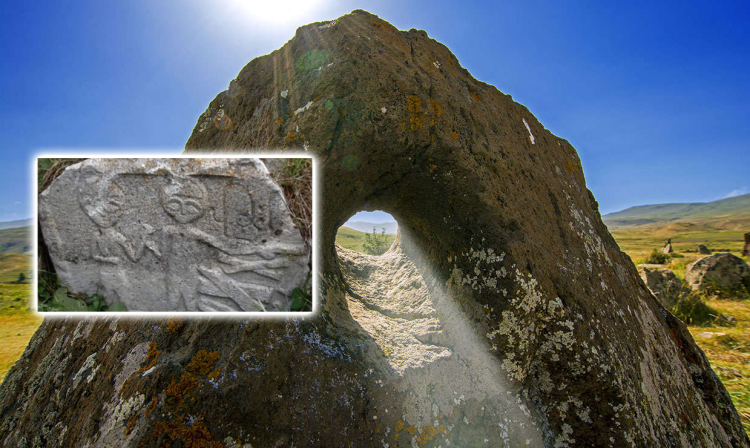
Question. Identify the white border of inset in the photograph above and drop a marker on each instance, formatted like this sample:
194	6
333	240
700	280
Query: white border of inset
124	154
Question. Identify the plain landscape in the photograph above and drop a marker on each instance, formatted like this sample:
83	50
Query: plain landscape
639	231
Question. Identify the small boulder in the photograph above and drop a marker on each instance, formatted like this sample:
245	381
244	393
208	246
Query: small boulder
746	248
721	274
703	250
666	286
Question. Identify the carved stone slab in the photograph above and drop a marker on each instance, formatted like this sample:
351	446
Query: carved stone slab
177	234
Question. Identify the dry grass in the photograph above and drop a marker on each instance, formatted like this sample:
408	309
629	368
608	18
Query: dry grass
728	350
296	181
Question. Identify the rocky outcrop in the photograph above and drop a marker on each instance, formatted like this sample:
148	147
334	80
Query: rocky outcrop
515	320
719	274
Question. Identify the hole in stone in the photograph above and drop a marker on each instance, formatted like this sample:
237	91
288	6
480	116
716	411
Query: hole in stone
370	233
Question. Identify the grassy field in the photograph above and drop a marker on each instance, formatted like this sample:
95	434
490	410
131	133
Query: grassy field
13	264
352	239
727	348
17	324
16	241
638	242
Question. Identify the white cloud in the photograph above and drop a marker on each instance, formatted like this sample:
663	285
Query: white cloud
738	192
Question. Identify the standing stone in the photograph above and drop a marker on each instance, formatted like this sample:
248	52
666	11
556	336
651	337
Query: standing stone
174	234
529	326
746	248
667	249
703	250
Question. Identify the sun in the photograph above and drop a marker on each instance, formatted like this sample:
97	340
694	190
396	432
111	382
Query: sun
268	13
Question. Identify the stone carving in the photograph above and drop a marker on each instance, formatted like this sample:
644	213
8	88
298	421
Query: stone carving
174	234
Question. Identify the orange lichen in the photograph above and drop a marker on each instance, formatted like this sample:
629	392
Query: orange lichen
569	167
174	325
476	96
279	121
152	405
152	356
436	111
414	104
202	362
290	137
403	125
454	135
192	435
176	390
429	432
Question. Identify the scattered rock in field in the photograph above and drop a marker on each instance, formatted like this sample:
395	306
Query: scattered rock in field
703	250
722	274
667	249
666	286
746	248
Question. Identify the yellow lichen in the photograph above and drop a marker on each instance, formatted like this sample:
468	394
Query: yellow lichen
454	135
174	325
436	111
414	104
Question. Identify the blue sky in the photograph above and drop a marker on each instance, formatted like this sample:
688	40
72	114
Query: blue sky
653	95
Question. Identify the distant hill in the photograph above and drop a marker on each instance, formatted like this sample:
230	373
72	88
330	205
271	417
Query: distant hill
16	224
352	239
13	264
390	227
725	214
16	241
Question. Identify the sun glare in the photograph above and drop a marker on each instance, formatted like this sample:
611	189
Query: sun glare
267	13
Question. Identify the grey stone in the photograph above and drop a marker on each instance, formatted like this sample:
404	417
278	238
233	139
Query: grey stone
746	247
666	286
721	273
182	234
702	249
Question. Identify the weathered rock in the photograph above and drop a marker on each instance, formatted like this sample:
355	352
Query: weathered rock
722	273
667	249
665	286
746	247
702	249
528	324
174	234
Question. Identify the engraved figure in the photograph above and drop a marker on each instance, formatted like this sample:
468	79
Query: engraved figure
109	246
191	287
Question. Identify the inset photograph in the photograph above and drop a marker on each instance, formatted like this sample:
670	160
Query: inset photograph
174	234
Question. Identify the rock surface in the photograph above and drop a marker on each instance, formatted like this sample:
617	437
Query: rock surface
746	247
528	325
666	287
720	272
174	234
702	249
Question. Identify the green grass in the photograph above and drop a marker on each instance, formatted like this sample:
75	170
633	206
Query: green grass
13	264
17	324
352	239
639	242
16	241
